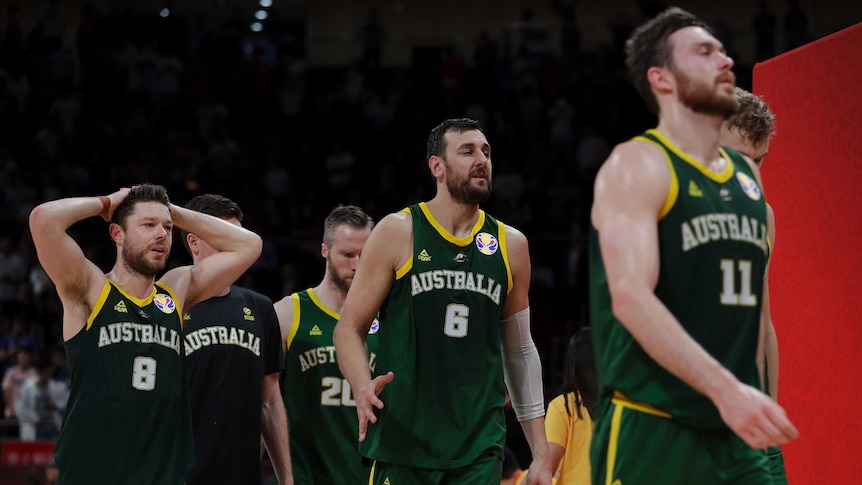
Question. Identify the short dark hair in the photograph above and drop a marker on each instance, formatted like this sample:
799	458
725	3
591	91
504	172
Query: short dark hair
437	143
349	215
139	193
753	119
648	46
214	205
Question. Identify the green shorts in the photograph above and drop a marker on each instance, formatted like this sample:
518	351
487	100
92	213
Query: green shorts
486	470
636	444
776	465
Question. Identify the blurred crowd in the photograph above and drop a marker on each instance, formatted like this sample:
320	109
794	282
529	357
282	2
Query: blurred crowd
201	104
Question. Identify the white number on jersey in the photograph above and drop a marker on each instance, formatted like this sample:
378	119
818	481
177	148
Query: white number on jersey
729	296
456	320
144	373
336	392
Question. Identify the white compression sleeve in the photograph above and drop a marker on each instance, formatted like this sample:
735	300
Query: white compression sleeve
522	367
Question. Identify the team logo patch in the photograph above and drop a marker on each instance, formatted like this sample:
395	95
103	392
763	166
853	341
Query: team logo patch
486	243
164	303
375	326
749	186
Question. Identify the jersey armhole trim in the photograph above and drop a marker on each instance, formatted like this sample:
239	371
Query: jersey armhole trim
103	296
673	190
501	232
294	325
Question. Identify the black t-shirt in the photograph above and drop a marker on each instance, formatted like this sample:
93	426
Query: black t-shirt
232	342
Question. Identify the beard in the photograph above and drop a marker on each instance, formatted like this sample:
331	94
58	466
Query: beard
138	262
341	283
463	191
702	98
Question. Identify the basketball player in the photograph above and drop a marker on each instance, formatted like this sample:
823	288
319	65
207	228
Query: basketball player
678	247
319	401
748	131
128	419
233	349
451	285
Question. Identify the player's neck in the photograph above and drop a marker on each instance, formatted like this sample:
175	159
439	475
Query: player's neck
330	295
133	283
695	134
455	217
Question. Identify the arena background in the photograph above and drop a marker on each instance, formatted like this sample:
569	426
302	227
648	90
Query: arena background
303	114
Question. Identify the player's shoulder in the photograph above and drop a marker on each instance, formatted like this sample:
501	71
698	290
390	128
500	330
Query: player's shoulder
635	162
395	224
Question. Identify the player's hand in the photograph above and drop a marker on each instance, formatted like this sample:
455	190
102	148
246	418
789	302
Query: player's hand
539	473
116	198
755	417
367	400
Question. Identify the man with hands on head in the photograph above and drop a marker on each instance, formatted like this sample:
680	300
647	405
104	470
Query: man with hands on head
128	418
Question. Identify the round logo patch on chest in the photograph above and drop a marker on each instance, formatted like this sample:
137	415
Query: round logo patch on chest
486	243
749	186
164	303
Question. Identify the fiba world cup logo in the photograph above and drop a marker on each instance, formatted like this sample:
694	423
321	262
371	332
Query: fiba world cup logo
486	243
164	303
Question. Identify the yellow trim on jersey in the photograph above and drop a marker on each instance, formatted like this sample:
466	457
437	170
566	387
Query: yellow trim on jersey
325	309
294	325
460	241
613	441
501	236
673	190
403	270
720	177
620	400
106	288
176	301
137	301
371	475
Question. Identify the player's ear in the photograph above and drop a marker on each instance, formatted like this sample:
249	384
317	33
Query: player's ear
435	163
661	80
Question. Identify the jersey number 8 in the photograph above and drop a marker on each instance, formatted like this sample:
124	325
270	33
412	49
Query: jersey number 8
144	373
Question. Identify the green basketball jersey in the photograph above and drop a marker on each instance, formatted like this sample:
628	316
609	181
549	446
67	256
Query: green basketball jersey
712	250
441	337
128	418
320	406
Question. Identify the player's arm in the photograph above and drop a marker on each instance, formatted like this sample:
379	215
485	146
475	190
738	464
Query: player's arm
388	247
630	190
521	364
238	249
274	429
78	281
770	339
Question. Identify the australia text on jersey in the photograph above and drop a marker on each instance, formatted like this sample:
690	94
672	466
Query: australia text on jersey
455	280
147	333
728	226
326	355
222	335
